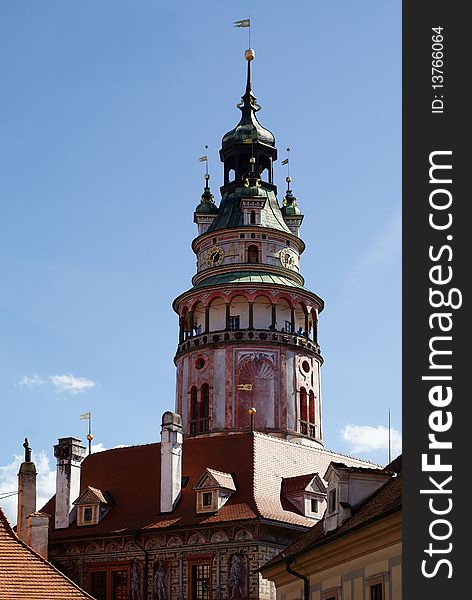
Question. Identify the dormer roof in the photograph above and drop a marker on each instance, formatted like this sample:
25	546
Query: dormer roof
92	495
211	479
311	482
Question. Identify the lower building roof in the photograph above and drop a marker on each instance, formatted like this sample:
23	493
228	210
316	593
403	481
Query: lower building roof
257	462
25	575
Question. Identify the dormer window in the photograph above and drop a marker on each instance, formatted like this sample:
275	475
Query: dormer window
213	489
87	514
252	208
306	493
348	487
207	499
92	505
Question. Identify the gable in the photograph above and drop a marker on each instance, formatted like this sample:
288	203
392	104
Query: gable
91	496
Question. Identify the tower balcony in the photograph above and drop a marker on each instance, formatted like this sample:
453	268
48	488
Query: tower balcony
262	336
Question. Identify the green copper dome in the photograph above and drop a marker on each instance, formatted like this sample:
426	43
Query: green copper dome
207	204
289	205
247	130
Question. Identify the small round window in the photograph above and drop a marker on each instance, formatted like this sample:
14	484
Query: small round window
306	366
199	363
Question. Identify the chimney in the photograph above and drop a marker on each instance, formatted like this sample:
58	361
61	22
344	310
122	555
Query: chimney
171	460
69	453
26	493
38	530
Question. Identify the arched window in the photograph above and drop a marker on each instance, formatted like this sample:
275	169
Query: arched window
303	412
253	254
204	407
193	410
311	414
252	218
199	409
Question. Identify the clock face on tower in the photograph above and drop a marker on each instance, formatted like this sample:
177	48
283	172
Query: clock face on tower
215	256
287	258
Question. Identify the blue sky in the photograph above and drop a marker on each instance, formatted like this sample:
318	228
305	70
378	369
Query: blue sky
105	108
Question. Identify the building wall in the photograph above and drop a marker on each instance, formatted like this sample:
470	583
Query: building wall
345	568
164	560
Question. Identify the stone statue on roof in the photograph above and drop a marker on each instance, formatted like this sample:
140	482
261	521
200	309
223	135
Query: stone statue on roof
27	448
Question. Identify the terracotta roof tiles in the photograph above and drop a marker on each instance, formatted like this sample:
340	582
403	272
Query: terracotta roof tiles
257	463
25	575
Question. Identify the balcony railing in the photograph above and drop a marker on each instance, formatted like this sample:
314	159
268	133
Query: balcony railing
307	428
264	335
199	425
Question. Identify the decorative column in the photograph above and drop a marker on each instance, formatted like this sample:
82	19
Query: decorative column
274	316
181	578
251	315
228	314
207	319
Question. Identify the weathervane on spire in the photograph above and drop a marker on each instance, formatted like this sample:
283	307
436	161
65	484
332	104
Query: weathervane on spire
245	23
205	160
286	161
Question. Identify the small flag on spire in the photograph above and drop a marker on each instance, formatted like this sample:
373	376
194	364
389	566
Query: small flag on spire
203	159
284	162
243	23
85	415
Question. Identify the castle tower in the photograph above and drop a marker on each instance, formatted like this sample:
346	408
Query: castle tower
248	327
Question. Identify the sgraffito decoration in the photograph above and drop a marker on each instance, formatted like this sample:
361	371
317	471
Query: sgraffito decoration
161	581
238	577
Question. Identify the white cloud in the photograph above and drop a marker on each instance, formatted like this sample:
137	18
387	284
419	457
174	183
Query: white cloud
70	383
45	483
98	448
368	438
101	448
31	380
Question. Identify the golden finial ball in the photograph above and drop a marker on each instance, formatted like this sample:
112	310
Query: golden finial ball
288	179
252	160
206	177
90	437
252	411
250	54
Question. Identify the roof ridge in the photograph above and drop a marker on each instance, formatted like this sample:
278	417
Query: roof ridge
315	448
218	471
56	571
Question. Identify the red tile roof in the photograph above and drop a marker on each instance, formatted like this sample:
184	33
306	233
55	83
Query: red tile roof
291	485
257	464
25	575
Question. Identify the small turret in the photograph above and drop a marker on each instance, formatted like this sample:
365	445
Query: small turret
290	211
207	210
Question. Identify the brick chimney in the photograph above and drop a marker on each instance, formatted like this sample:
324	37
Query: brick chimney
69	453
171	460
38	531
26	493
